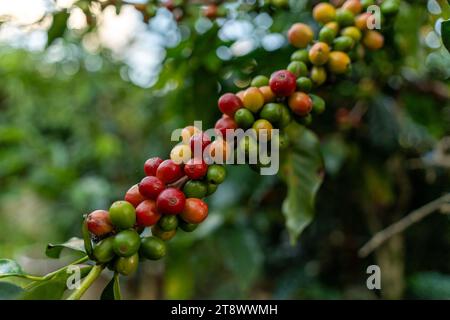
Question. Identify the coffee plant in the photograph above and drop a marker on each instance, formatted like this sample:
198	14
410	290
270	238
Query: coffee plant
278	106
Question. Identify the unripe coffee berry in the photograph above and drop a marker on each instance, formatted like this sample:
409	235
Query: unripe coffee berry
195	169
168	223
146	214
127	265
263	129
319	52
152	248
103	251
195	189
300	103
133	196
253	99
151	165
168	172
122	214
99	223
126	243
186	226
229	104
151	187
163	235
268	94
300	35
216	174
283	83
170	201
259	81
244	118
195	211
198	143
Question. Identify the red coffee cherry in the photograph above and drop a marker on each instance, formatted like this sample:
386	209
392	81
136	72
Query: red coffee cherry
99	223
300	103
229	104
170	201
283	83
195	169
199	139
151	187
151	165
147	214
133	196
223	124
195	211
168	172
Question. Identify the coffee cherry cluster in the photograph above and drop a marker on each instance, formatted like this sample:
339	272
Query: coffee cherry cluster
168	198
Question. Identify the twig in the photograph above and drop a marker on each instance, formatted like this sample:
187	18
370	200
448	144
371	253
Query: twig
415	216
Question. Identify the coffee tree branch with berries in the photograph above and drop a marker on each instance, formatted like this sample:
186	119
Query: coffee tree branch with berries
171	197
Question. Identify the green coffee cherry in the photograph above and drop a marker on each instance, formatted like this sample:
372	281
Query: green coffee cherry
244	118
327	35
153	248
103	251
298	68
195	189
127	265
187	227
367	3
271	112
168	223
301	55
286	116
211	188
126	243
390	7
318	103
343	43
304	84
306	120
259	81
345	17
216	174
122	214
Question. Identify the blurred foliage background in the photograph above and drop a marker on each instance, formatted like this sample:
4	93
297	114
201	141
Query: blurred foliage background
82	107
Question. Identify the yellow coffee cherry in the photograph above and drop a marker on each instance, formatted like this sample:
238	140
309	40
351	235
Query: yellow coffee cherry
253	99
338	62
324	12
318	75
181	153
333	25
300	35
352	32
318	54
373	40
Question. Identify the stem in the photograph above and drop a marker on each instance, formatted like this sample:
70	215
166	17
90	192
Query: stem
87	282
51	274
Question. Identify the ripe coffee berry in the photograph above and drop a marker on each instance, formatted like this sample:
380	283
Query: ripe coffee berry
300	103
152	248
126	243
195	169
195	211
122	214
223	124
180	154
283	83
229	103
99	223
151	165
133	196
146	214
151	187
168	172
170	201
199	142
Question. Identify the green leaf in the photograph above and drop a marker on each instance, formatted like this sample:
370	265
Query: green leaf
9	291
112	290
58	27
302	170
54	250
10	268
87	239
52	289
445	33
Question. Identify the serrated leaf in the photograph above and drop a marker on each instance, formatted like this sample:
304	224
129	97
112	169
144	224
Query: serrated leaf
112	290
54	250
445	33
303	172
10	268
9	291
58	27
